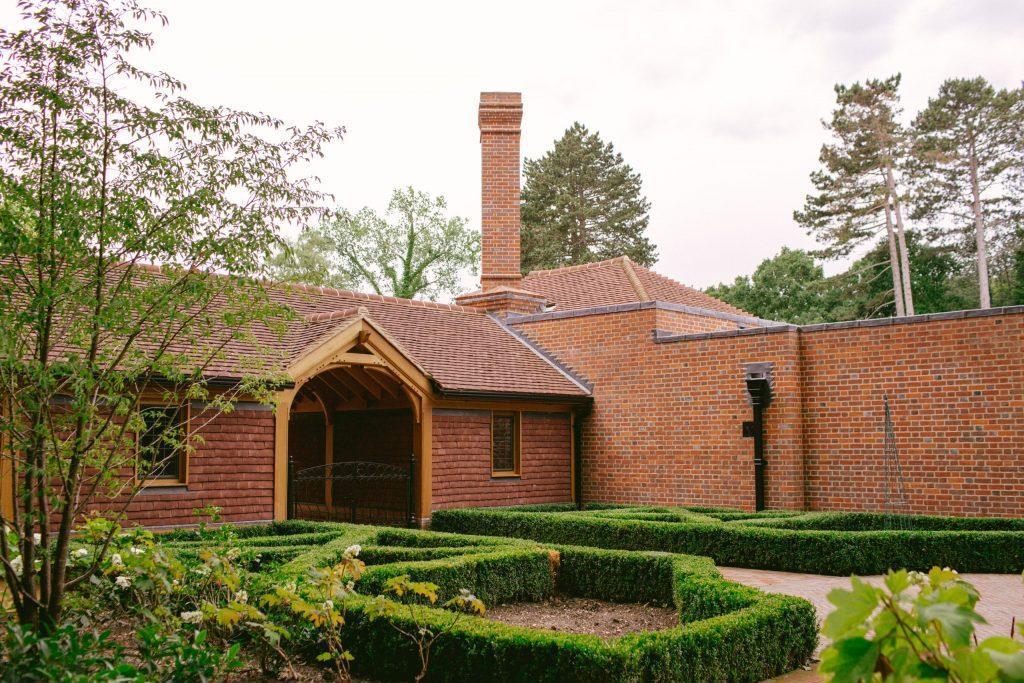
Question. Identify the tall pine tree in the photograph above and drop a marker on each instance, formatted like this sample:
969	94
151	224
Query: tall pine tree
857	195
583	203
963	163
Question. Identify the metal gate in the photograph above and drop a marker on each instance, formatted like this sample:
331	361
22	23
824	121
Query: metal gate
358	491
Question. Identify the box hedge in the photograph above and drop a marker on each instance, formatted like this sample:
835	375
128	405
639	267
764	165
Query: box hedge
820	543
727	632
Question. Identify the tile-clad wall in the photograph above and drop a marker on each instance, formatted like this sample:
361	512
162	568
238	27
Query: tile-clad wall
461	457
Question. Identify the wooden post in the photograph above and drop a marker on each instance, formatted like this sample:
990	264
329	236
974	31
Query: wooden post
281	415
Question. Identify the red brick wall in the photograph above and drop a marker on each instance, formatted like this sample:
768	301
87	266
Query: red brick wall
233	468
462	460
956	388
687	323
666	423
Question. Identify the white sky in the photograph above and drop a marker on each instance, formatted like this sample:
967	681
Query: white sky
716	104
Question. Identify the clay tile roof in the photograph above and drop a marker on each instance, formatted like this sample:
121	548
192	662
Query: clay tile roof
612	282
461	348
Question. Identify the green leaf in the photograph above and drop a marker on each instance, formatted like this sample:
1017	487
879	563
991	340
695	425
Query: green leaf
956	623
853	608
850	660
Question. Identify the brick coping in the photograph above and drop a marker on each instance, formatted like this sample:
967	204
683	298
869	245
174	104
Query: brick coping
662	337
515	318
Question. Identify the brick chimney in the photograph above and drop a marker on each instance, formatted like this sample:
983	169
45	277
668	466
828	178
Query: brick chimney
500	117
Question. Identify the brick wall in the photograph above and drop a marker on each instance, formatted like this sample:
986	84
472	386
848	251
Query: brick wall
462	460
666	423
956	388
233	469
500	115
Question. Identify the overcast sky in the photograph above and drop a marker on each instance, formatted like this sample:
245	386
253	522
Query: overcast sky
717	104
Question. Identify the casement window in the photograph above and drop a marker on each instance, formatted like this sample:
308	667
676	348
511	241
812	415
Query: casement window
505	444
161	445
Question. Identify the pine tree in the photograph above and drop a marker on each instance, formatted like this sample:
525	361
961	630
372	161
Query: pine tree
857	191
583	203
962	164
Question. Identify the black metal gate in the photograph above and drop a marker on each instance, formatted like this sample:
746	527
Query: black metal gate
358	491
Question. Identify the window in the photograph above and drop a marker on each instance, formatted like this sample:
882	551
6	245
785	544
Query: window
161	444
505	444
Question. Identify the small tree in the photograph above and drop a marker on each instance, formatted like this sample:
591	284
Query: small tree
788	287
94	185
964	143
415	249
583	203
857	193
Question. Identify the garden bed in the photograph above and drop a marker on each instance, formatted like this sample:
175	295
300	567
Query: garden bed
719	631
586	615
820	543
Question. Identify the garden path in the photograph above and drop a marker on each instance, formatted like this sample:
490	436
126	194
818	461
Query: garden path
1002	598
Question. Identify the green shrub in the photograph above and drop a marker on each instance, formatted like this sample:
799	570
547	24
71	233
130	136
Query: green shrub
765	542
726	631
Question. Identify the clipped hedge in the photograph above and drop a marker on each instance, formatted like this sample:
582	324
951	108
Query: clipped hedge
727	632
821	543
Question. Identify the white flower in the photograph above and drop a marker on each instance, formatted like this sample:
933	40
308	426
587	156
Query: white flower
328	604
202	570
37	538
136	550
241	596
115	559
16	563
353	550
123	582
192	617
81	552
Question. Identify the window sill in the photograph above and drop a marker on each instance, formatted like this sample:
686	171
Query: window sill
161	483
506	475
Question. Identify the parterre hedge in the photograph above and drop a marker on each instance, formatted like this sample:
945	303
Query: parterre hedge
727	632
820	543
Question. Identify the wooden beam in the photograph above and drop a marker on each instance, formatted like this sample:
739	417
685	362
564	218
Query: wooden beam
319	381
358	375
384	383
385	379
358	359
353	386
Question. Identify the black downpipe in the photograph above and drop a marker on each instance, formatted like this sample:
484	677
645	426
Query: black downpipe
577	455
759	380
758	457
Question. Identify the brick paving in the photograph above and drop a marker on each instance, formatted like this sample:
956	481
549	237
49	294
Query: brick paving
1002	599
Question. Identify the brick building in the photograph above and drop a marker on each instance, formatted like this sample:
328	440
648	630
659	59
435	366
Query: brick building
602	382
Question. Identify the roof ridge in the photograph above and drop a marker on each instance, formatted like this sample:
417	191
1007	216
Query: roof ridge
320	316
332	291
320	289
578	266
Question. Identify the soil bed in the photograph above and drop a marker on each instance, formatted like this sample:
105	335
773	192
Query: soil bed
584	615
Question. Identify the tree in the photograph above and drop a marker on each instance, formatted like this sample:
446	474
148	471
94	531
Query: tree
856	186
306	259
789	287
105	168
415	249
583	203
863	291
963	159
